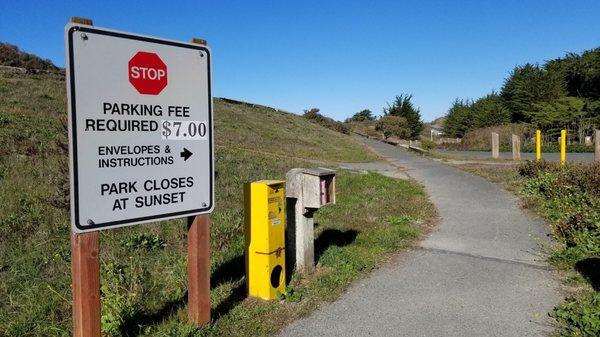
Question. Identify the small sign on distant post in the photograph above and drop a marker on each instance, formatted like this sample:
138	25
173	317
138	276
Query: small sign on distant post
141	129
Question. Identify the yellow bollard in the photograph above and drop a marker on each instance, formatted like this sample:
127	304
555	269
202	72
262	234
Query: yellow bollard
264	217
538	144
563	147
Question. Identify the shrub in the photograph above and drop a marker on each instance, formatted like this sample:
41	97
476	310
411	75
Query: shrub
427	144
313	115
393	126
362	116
568	196
530	168
585	177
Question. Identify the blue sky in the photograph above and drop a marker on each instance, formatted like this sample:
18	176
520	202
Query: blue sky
339	56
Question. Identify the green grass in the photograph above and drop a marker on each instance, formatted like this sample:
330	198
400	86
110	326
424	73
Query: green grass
262	129
143	267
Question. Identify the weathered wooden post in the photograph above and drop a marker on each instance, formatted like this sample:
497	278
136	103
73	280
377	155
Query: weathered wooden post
199	269
597	142
307	190
199	261
85	272
495	145
300	226
516	147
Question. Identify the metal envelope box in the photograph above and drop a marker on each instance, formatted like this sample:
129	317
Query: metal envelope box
265	238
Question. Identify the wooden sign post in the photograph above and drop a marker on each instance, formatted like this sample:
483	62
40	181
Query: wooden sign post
199	262
85	273
199	269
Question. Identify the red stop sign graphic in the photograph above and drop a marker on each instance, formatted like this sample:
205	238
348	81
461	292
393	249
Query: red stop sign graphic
147	73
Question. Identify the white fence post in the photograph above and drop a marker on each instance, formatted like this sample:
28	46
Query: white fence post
495	145
516	147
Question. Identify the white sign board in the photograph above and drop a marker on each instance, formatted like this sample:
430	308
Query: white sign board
141	128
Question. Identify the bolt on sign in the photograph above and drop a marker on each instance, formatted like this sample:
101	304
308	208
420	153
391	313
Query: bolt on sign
140	128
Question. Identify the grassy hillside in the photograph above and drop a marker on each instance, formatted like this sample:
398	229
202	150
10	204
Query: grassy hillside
269	131
144	267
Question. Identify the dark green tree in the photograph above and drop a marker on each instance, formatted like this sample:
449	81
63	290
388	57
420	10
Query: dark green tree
563	93
362	116
572	113
528	85
459	119
403	107
580	72
489	111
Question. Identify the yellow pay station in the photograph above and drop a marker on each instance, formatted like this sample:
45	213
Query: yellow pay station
264	207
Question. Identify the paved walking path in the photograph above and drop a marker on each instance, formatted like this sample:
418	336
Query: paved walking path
478	274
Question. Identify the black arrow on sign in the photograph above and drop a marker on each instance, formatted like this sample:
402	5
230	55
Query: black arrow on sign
185	154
